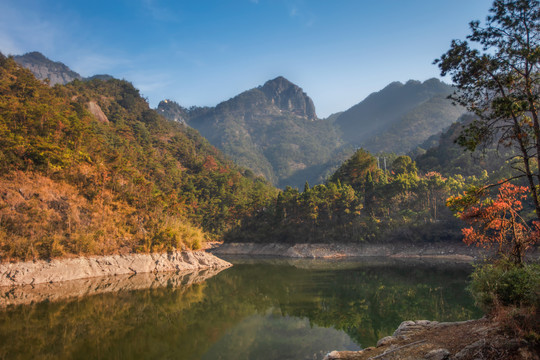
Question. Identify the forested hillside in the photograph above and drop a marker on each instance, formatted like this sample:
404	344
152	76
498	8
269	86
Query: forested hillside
272	129
363	203
89	168
449	158
399	117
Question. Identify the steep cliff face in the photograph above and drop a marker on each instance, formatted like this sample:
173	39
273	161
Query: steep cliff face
289	97
44	68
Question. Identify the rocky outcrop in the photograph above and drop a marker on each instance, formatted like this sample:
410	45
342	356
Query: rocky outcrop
57	270
95	110
455	251
173	111
27	294
289	97
431	340
56	72
44	68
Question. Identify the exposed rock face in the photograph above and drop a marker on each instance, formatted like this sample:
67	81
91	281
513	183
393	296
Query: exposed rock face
289	97
172	111
43	68
431	340
453	251
55	71
95	110
86	267
28	294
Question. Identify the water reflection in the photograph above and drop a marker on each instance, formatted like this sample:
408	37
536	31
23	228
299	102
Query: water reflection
264	309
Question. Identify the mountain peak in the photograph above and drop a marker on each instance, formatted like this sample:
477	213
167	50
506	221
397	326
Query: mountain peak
290	97
279	82
44	68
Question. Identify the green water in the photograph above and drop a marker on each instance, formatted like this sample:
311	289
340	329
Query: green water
264	309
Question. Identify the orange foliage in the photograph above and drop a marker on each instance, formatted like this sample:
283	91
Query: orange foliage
497	221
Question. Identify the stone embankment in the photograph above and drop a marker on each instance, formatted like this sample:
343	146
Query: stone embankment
38	272
452	250
431	340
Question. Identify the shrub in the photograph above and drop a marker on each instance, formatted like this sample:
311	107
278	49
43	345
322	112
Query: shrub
506	284
174	233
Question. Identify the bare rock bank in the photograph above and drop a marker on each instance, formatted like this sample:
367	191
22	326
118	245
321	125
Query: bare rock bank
431	340
27	294
452	250
38	272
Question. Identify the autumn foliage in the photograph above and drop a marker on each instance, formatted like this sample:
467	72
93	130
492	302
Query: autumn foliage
497	221
88	168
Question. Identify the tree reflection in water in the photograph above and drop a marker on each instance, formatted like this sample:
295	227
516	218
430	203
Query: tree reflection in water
263	309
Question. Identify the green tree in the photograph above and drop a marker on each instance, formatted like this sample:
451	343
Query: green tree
404	165
498	79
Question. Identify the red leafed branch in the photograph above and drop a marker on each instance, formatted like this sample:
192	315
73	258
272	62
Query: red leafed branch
498	222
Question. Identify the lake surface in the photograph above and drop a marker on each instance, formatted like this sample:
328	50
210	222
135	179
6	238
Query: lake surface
258	309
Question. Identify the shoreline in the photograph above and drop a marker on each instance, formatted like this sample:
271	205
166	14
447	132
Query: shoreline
58	270
439	250
28	294
432	340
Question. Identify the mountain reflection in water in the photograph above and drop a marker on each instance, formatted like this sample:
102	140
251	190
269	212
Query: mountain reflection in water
258	309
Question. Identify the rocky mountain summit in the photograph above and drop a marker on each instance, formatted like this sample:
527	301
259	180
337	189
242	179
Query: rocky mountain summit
272	129
289	97
56	72
173	111
44	68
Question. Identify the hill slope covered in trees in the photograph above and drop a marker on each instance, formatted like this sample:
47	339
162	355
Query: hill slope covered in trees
272	129
89	168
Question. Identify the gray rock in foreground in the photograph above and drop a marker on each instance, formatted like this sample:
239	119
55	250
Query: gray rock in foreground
38	272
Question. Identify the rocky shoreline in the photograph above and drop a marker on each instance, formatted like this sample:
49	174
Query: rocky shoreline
431	340
28	294
57	270
442	250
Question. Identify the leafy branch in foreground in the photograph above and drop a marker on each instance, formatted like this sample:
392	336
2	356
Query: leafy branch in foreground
498	79
497	220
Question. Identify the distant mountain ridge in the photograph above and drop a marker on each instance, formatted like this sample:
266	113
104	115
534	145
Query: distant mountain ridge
273	129
400	116
55	71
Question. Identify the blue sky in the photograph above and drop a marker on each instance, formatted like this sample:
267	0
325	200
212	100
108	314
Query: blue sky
203	52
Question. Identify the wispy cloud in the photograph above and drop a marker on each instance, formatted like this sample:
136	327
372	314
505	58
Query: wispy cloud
20	32
160	12
254	1
293	11
297	10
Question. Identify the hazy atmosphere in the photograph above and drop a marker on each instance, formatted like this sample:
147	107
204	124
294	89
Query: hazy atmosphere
203	52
